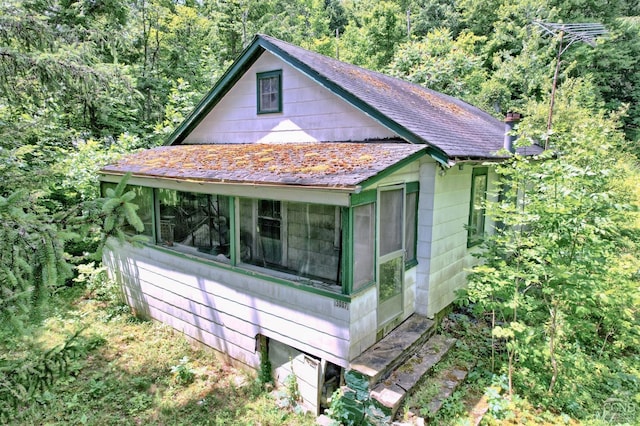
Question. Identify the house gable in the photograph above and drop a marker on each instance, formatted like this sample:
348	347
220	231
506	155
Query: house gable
310	113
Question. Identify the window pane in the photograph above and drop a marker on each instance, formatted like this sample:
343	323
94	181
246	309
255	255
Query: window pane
391	231
144	200
269	95
363	245
311	250
390	278
192	220
477	211
410	225
293	238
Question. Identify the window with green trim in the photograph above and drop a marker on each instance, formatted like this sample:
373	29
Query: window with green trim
476	226
300	240
411	227
364	245
269	92
194	223
144	200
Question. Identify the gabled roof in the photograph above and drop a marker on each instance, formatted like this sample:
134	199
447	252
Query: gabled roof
320	164
451	128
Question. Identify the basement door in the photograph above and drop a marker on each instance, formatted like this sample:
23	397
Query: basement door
390	253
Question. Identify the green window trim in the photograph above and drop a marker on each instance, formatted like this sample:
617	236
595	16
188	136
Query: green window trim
346	255
248	272
269	92
364	197
477	211
413	187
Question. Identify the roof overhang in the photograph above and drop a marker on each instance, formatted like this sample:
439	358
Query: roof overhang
325	173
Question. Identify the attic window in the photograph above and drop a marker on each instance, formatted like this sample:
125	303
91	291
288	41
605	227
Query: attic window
269	92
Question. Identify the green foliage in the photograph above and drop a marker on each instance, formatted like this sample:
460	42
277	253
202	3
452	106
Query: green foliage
182	372
338	411
441	63
32	258
265	374
555	275
371	37
22	379
289	396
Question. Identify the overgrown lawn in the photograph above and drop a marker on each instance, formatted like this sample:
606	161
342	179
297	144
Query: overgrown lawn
133	372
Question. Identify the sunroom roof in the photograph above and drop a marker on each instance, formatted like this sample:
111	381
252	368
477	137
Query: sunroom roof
322	164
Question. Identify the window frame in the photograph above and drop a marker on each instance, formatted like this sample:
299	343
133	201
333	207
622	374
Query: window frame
285	268
475	235
206	223
412	188
149	232
260	77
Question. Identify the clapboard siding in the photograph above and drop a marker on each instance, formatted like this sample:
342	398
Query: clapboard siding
248	357
232	313
364	320
191	297
212	279
428	172
442	245
310	113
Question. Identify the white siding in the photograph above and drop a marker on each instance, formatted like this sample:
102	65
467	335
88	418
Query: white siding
408	173
227	310
310	113
443	256
364	321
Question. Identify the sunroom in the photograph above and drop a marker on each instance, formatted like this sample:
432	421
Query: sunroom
312	245
303	213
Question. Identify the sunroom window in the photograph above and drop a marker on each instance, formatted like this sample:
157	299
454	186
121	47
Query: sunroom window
144	200
364	239
295	239
194	223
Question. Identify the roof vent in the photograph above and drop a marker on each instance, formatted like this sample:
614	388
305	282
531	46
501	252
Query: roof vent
510	121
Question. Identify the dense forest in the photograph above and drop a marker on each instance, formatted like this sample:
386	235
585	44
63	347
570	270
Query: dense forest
84	81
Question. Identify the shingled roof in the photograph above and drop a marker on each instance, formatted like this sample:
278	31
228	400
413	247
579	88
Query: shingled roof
320	164
450	127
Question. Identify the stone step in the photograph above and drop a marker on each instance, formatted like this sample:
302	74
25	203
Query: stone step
391	392
377	362
446	381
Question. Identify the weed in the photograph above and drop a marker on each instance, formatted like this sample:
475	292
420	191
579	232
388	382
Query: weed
182	373
337	410
265	373
290	396
618	411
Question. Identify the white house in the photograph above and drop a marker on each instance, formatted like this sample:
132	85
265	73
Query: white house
308	203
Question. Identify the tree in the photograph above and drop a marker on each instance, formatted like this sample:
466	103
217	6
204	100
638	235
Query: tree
441	63
373	32
556	276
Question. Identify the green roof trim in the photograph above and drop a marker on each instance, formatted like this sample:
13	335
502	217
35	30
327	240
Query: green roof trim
394	168
244	61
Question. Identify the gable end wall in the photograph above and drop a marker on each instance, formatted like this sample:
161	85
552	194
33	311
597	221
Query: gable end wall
310	113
